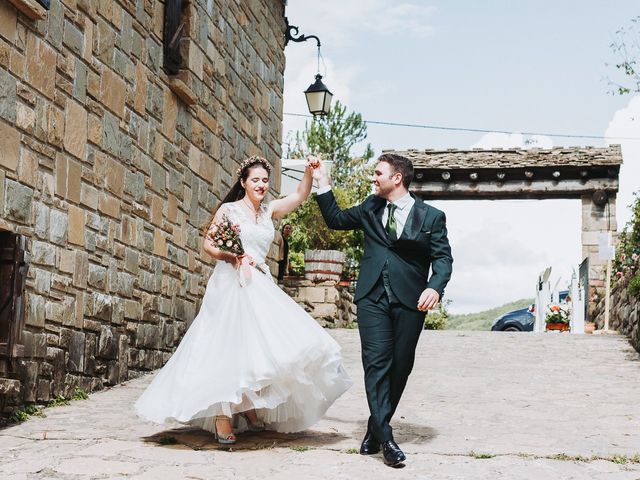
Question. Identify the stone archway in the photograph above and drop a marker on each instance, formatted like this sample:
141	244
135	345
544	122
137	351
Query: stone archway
589	174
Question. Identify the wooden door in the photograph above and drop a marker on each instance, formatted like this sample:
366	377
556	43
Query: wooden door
13	273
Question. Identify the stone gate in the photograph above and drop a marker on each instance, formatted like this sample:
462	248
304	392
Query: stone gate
588	174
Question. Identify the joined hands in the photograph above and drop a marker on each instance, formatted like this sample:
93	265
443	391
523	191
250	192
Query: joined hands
318	170
313	163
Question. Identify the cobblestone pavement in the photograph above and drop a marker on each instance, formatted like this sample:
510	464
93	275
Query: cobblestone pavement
478	405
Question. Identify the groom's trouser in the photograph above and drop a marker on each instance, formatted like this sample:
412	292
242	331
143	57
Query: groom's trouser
389	333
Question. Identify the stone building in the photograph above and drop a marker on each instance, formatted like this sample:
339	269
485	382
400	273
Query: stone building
117	138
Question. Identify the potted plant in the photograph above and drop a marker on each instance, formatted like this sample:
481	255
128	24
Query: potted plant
557	318
349	272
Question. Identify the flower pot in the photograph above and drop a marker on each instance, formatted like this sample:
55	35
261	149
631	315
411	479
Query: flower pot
344	283
323	265
589	327
562	327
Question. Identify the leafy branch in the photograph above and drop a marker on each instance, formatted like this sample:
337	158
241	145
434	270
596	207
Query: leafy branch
626	46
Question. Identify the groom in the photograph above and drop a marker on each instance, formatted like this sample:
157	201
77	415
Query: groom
403	239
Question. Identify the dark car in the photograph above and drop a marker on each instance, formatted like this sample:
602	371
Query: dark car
516	321
521	320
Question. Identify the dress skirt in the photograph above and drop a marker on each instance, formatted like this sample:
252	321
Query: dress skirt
250	347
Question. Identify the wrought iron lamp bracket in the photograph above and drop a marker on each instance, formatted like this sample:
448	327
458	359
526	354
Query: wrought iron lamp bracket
292	30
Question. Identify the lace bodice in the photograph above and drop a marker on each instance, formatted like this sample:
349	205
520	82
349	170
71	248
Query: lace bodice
256	236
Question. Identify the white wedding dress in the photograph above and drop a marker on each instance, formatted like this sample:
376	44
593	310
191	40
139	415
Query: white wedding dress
249	347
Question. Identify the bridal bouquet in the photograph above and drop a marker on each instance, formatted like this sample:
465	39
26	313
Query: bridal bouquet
226	236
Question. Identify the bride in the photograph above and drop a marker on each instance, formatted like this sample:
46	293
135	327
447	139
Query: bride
251	350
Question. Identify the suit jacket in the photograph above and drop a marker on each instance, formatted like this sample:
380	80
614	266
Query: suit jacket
279	240
422	246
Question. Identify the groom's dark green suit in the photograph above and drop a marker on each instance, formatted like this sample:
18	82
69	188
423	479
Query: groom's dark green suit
393	274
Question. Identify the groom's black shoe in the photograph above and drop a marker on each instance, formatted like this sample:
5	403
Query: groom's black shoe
370	445
392	454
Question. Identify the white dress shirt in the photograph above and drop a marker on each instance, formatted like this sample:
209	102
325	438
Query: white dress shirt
403	204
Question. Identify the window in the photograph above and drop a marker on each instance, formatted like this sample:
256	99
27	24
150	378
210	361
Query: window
176	42
174	30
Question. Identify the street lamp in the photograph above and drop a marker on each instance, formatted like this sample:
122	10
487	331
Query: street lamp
318	95
318	98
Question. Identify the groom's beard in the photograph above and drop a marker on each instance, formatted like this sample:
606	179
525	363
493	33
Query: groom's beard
380	192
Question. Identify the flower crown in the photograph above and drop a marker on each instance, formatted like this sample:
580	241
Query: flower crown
253	160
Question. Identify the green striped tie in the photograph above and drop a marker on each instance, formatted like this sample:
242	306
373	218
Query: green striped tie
391	227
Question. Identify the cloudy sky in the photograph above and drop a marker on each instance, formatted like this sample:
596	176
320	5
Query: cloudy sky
528	66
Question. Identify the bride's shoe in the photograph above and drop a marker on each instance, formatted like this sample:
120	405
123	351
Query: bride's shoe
224	438
257	426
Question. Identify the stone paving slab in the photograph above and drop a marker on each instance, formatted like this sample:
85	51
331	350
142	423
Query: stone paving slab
478	405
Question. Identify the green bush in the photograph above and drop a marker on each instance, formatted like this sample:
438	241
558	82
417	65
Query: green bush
296	263
625	265
25	413
437	319
634	285
79	394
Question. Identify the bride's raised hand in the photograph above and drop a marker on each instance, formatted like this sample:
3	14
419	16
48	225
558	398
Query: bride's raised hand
313	162
318	168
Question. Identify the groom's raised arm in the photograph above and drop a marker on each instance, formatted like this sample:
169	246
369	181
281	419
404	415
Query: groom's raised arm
334	217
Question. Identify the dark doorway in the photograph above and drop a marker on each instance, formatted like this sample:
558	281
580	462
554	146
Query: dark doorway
13	274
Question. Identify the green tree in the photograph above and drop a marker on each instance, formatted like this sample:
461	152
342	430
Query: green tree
626	46
333	137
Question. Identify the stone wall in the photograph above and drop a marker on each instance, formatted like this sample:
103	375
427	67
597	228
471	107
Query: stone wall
597	219
624	312
330	305
109	174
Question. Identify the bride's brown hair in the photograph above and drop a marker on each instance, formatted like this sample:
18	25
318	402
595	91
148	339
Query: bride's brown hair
237	191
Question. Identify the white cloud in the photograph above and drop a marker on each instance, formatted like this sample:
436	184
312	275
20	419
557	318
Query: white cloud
500	247
342	22
626	123
512	140
403	18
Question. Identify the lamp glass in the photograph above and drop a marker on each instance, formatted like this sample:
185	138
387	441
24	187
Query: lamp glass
327	102
315	102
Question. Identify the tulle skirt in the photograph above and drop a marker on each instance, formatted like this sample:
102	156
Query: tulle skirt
249	347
